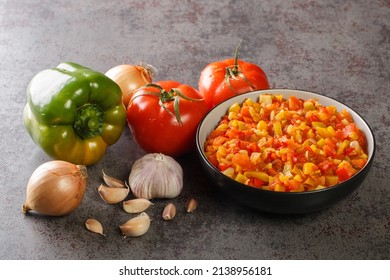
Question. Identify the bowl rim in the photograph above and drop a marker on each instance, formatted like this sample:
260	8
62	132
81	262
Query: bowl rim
277	91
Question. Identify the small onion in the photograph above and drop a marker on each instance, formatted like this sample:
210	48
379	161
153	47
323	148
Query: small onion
156	176
56	188
130	78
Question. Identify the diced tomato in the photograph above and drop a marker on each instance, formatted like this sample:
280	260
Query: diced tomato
326	166
359	163
345	172
294	103
243	160
219	140
257	183
213	160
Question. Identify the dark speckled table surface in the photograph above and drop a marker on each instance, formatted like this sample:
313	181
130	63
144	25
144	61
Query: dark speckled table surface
337	48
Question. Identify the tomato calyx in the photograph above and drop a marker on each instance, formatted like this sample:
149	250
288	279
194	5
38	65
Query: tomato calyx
233	72
165	96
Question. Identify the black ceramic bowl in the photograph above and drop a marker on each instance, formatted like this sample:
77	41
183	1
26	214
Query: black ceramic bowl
282	202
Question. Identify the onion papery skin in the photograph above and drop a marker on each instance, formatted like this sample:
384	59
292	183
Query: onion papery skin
56	188
130	78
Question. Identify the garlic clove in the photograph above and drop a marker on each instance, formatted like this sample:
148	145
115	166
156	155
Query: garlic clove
169	212
112	182
136	205
113	195
94	226
136	226
191	205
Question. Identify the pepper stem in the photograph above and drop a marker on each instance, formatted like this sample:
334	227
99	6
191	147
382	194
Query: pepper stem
89	121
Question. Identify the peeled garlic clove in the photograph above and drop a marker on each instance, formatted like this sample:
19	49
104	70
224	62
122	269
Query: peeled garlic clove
191	205
169	212
112	182
113	195
136	205
94	226
136	226
156	176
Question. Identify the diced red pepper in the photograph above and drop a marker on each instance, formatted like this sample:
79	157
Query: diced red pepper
345	172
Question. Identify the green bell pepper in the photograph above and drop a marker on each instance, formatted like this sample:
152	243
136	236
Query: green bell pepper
74	113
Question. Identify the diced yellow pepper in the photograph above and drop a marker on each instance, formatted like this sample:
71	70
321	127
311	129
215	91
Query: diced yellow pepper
235	108
331	180
318	124
331	131
310	133
283	178
265	99
242	178
262	125
296	171
232	116
255	158
229	172
310	181
241	125
248	102
258	175
279	188
321	143
322	116
298	178
255	115
342	146
309	167
278	129
323	132
279	97
308	105
298	136
290	129
221	152
280	116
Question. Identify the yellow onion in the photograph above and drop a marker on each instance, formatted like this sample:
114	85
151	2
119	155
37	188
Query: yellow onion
130	78
56	188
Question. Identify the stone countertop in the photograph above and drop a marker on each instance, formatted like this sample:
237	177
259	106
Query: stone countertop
337	48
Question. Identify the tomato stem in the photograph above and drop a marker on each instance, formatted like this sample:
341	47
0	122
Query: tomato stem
235	67
164	96
233	72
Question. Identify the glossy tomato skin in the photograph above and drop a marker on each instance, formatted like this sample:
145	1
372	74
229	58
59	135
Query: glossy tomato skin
214	89
157	131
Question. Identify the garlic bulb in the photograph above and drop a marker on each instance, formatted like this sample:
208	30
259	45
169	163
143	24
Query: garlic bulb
156	176
56	188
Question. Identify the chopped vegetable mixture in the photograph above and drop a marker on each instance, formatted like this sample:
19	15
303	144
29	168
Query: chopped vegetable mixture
287	145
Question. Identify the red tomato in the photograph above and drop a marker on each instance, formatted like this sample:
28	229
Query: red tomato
224	79
155	123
